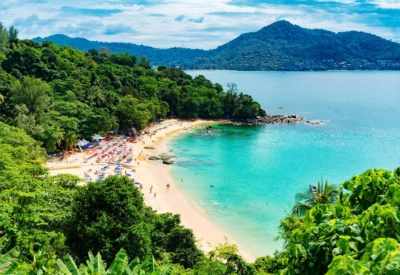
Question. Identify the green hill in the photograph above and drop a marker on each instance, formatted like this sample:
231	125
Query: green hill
168	57
279	46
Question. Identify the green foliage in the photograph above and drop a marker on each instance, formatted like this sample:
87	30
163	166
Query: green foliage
271	265
34	205
58	94
306	199
358	234
119	266
110	215
8	260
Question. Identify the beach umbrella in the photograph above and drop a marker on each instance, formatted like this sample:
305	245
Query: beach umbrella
136	182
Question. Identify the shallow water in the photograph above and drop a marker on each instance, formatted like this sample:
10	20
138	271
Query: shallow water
252	165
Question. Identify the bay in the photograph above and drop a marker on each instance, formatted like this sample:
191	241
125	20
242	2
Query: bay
250	166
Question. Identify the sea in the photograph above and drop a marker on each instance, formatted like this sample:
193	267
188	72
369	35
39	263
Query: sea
245	178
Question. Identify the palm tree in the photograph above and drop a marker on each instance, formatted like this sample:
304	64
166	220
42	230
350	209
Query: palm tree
320	194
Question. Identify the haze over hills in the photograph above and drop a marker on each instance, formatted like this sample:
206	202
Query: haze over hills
279	46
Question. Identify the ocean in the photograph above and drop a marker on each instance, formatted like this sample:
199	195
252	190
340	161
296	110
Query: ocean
245	177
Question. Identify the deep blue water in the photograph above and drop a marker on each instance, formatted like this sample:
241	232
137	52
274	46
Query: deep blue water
250	166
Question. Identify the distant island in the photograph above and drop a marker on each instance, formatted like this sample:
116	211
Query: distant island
280	46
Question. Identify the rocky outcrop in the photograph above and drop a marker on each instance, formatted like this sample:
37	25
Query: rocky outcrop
268	119
168	161
154	158
165	156
315	122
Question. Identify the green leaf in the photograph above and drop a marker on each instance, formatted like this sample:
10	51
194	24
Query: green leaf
120	263
168	270
7	259
98	265
12	270
70	265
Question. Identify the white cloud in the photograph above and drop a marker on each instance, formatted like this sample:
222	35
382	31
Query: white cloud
195	23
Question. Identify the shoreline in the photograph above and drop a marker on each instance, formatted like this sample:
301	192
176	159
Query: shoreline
152	173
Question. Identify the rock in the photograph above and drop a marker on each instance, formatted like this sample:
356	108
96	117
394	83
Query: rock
268	119
168	161
165	157
154	158
315	122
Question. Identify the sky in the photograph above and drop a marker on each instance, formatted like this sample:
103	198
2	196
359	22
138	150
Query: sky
200	24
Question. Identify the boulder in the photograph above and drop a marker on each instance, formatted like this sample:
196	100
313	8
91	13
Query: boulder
154	158
165	157
168	161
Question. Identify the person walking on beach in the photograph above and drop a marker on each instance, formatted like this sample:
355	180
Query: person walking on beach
151	189
155	194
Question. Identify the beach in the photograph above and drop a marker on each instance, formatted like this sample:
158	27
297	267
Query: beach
155	174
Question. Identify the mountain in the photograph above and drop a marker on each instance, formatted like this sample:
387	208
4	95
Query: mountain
279	46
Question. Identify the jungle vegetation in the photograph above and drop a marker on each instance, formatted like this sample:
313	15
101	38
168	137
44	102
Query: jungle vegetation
59	94
51	95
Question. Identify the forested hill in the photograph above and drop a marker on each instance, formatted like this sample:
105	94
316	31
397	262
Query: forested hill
58	94
168	57
279	46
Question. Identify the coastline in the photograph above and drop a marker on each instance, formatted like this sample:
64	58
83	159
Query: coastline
152	173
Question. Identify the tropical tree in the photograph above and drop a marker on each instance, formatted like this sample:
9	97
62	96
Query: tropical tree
109	215
309	197
3	39
356	235
33	93
12	35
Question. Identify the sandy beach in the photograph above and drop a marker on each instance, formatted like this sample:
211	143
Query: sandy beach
154	173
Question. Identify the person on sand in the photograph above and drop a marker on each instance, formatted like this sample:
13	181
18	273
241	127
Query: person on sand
167	185
151	189
141	186
155	194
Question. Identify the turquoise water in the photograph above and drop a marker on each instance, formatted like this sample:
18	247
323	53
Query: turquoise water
252	165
